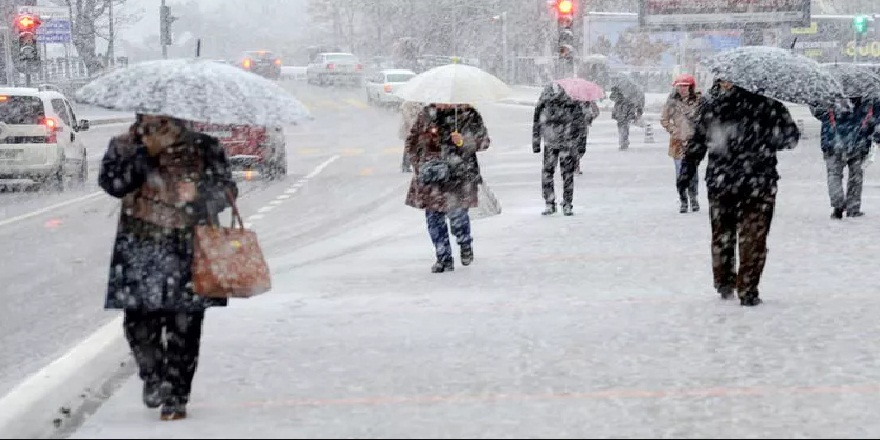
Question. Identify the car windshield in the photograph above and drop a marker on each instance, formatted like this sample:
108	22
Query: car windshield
398	77
21	110
342	57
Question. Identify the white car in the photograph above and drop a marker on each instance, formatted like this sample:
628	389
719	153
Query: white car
38	137
332	67
382	85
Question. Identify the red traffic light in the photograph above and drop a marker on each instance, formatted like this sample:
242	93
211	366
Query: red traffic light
565	7
27	23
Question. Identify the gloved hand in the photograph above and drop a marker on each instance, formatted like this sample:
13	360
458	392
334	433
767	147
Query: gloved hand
536	148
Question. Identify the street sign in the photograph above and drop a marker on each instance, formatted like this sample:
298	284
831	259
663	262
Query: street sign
56	27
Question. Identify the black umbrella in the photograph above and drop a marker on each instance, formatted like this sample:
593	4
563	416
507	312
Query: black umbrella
777	73
857	81
628	88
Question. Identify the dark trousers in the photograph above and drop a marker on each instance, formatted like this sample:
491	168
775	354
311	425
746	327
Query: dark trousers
743	221
170	361
439	231
567	160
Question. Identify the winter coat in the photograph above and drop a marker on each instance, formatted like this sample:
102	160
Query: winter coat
429	138
560	121
740	132
626	110
849	131
678	117
409	111
592	111
150	266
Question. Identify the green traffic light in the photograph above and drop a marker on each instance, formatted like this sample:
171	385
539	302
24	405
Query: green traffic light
860	23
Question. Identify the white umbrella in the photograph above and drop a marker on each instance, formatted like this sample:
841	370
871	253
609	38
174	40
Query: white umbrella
194	90
454	84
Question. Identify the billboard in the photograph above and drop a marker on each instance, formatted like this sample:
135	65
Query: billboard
618	37
719	14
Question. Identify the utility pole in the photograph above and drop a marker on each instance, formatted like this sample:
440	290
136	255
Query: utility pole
111	55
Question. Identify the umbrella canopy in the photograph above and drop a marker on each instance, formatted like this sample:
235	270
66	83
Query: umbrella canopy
857	81
194	90
777	73
627	87
581	90
454	84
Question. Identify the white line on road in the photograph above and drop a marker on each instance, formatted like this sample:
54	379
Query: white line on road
321	167
276	202
255	217
41	211
265	209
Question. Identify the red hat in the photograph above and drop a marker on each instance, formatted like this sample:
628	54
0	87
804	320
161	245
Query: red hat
685	80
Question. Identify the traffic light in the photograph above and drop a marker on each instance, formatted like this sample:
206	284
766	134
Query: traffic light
860	24
26	26
565	21
165	20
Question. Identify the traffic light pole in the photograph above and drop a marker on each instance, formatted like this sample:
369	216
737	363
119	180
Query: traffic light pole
7	54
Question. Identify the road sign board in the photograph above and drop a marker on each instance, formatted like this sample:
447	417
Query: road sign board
56	26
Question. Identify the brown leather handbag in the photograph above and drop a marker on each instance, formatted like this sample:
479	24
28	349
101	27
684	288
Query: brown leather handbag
228	262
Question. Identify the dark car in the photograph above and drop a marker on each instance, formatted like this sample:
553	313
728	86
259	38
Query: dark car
262	62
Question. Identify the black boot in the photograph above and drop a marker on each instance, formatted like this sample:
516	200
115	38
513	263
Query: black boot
567	210
837	214
695	205
173	409
550	209
750	299
683	207
467	254
855	214
152	394
726	292
443	266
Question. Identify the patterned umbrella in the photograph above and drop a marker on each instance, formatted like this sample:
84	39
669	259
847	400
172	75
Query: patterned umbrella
194	90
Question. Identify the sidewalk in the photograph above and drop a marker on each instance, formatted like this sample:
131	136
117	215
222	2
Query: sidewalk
599	325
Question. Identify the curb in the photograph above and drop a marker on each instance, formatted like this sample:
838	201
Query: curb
56	397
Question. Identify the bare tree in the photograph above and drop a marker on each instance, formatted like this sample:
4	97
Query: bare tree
89	20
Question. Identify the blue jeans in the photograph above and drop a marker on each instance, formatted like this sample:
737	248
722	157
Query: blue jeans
461	228
692	187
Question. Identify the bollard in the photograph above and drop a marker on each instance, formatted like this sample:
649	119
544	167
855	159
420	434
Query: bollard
649	134
800	126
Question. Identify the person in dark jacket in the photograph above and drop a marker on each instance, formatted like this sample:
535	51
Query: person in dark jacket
170	180
449	135
561	122
592	112
741	133
847	133
627	110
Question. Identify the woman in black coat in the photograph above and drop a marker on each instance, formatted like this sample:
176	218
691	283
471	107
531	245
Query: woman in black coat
169	179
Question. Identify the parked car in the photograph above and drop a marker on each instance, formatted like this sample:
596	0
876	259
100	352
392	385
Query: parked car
251	149
262	62
38	138
382	86
335	67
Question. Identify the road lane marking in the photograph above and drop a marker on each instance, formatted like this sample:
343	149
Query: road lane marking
367	172
51	208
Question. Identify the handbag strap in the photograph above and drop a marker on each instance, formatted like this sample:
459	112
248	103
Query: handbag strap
236	214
